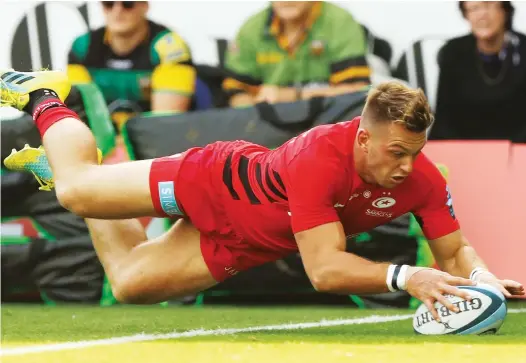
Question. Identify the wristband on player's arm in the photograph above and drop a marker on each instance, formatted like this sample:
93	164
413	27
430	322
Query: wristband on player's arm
396	277
477	272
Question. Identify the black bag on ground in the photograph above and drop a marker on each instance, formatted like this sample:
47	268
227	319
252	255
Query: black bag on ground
61	266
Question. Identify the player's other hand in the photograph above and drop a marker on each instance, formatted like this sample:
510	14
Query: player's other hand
509	288
430	285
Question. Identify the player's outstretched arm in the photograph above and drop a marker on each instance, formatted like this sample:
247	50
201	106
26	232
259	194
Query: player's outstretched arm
455	255
331	269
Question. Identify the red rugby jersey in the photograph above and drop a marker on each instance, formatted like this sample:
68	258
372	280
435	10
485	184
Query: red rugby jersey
310	180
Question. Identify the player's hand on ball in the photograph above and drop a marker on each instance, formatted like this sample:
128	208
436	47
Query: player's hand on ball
509	288
430	285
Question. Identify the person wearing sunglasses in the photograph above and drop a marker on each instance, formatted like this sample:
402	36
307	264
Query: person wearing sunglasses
138	65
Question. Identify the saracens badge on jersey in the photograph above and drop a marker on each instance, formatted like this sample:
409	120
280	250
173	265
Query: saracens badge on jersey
384	202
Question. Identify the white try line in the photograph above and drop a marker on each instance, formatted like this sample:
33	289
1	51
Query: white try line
198	333
374	319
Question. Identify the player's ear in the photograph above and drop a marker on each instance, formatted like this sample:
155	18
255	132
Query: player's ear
363	138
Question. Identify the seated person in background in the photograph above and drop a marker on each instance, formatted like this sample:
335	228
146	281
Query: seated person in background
138	65
296	50
482	82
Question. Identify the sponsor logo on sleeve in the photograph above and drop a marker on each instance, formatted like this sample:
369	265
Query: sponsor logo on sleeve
167	198
449	203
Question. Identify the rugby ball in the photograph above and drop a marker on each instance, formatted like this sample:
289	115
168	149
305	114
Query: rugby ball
484	314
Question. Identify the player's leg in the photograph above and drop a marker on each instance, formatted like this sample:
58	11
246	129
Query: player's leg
103	191
147	272
84	187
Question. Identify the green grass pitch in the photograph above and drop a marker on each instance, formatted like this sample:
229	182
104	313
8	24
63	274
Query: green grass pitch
24	327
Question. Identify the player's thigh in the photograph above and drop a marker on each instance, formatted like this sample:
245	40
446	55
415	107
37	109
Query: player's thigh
170	265
116	191
130	189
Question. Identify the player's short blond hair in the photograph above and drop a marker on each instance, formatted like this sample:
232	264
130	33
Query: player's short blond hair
396	102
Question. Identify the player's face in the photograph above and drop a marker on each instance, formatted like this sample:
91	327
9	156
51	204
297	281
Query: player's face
391	152
123	17
486	18
291	10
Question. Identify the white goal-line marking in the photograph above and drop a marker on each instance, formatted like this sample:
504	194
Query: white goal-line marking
373	319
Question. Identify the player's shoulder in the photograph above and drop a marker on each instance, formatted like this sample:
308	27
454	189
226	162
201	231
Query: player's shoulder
425	182
323	142
426	172
332	134
168	46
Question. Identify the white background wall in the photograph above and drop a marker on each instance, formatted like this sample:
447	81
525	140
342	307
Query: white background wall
200	22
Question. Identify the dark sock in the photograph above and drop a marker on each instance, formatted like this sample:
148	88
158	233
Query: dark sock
39	96
47	109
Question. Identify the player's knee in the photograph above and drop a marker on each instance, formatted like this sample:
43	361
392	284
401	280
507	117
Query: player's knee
70	197
126	292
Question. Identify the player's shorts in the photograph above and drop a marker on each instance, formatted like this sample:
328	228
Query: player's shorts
189	185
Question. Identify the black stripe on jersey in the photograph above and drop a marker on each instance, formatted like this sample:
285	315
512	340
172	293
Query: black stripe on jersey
278	179
227	177
25	79
419	220
272	187
259	179
243	176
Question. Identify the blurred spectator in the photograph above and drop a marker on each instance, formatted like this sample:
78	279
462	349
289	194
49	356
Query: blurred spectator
139	65
296	50
482	82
